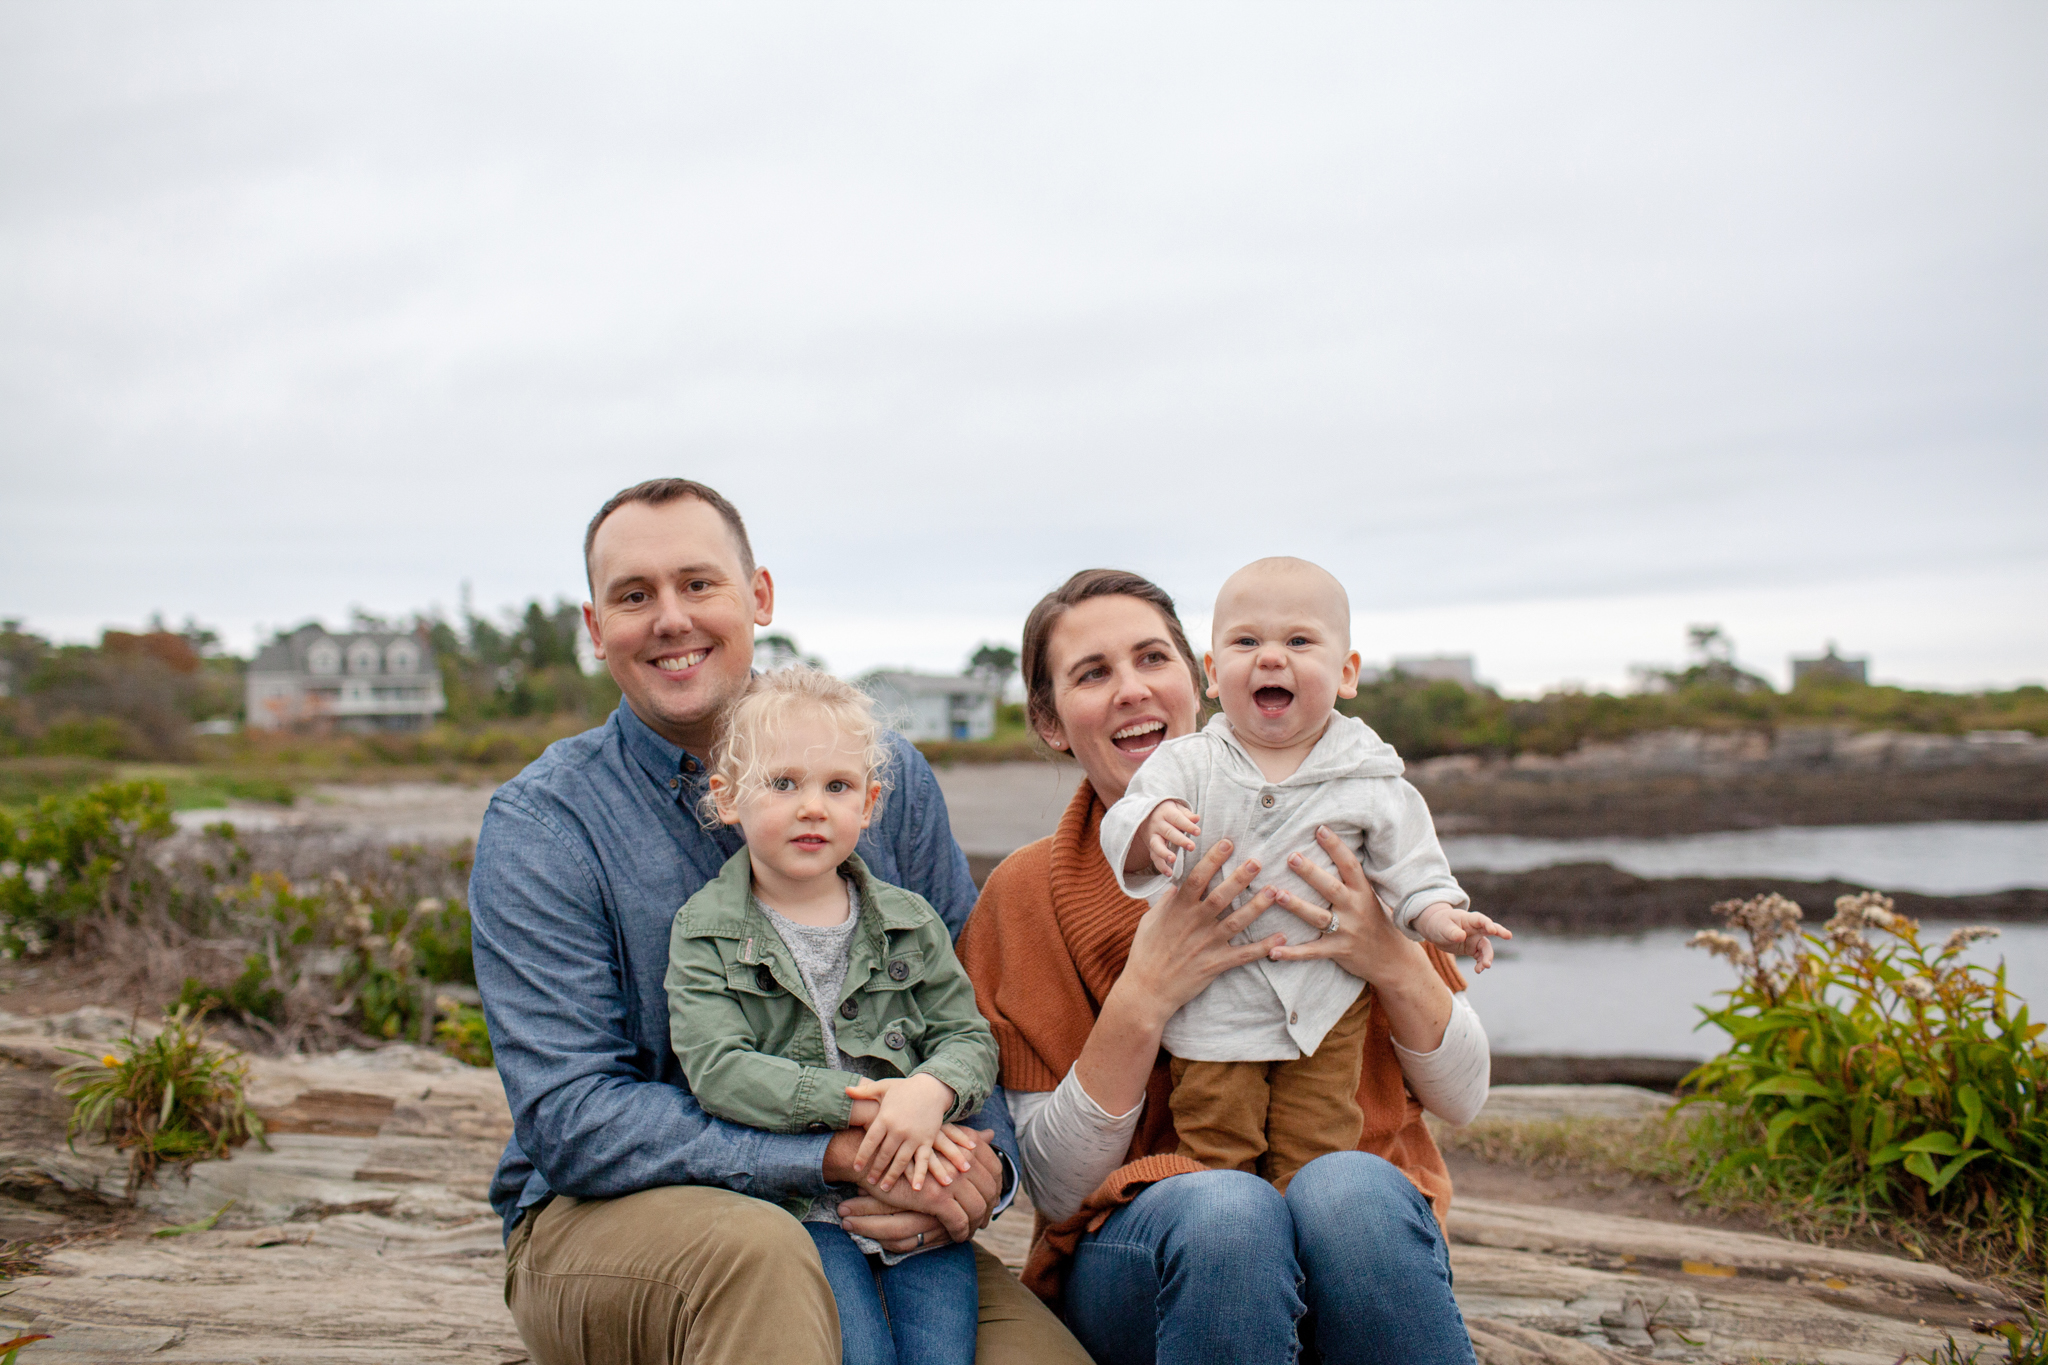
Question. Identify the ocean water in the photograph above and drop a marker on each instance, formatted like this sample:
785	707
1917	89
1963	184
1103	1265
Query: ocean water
1938	858
1637	994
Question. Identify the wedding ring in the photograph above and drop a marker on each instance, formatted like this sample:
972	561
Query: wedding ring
1331	927
920	1239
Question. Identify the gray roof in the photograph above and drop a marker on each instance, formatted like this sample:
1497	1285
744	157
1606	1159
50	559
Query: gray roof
929	684
287	653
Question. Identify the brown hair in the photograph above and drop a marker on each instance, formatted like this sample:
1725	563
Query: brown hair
1084	585
656	493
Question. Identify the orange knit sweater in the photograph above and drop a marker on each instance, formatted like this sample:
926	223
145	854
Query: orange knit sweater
1047	940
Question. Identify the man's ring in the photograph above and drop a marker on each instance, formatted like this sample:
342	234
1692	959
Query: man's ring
920	1239
1331	927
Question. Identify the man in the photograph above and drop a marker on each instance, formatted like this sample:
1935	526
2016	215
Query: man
638	1228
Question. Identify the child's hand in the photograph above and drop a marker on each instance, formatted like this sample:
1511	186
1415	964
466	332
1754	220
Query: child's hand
1170	828
1466	932
907	1123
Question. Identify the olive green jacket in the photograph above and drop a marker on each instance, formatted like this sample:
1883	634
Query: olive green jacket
750	1043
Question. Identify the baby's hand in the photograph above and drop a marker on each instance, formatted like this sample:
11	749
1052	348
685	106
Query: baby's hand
1170	828
1465	932
904	1130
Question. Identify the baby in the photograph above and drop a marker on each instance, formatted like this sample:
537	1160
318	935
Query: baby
805	995
1266	1060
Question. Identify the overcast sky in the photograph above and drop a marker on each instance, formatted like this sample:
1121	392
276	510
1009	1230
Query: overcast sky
1550	329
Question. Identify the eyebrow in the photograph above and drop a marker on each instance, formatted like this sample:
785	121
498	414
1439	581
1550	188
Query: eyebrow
1099	655
686	571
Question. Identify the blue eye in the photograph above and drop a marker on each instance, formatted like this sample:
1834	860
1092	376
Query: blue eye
782	784
838	785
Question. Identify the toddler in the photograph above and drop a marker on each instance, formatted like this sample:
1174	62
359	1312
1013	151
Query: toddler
805	995
1266	1060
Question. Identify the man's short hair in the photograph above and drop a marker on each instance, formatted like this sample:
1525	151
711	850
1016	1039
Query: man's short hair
658	492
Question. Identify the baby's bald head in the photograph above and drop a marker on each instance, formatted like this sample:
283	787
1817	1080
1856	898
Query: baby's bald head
1302	587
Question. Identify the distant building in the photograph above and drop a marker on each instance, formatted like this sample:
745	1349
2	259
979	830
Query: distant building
363	680
922	706
1455	668
1831	667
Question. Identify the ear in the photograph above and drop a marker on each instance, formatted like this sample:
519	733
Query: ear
1054	734
1347	681
867	812
1215	688
722	800
590	624
764	598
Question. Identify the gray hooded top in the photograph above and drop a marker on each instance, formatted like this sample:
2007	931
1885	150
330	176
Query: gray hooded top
1351	781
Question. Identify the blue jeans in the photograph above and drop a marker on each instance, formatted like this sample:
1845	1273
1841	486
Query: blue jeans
924	1312
1219	1265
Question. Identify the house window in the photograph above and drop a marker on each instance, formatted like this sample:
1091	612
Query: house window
324	657
362	657
402	656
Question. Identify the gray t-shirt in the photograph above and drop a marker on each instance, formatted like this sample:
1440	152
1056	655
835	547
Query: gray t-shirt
822	956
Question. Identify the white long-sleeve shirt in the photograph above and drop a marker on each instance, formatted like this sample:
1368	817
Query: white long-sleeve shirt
1069	1144
1269	1011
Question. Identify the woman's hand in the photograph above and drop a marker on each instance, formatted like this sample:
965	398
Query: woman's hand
1365	943
1181	945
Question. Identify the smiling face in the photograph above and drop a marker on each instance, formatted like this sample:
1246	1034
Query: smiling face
1281	653
674	615
804	812
1120	688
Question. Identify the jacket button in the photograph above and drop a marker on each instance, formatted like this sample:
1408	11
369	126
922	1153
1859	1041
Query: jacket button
894	1039
898	969
1267	800
764	977
1294	1016
849	1009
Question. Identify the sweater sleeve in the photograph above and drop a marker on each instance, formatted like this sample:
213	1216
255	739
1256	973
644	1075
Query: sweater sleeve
1451	1080
1069	1144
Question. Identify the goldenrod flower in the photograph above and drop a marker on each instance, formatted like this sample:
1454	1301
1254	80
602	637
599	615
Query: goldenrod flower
110	1060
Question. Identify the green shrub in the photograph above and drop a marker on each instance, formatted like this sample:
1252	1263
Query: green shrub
1872	1077
66	859
462	1033
172	1099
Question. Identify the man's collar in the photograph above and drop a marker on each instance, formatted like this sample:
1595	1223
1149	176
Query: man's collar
667	763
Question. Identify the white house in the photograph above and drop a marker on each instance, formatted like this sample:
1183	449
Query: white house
364	680
1455	668
923	706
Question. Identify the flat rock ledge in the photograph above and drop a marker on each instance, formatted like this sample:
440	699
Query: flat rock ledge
362	1236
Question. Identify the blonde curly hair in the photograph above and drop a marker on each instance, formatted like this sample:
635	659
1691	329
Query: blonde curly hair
772	700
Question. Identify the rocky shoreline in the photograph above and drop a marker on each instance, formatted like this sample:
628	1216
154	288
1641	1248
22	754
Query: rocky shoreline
1597	898
1694	782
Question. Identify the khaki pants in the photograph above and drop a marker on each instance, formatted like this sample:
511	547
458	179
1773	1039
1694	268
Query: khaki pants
1273	1118
689	1275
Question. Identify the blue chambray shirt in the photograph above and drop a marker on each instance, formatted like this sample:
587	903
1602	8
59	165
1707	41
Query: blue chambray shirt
583	861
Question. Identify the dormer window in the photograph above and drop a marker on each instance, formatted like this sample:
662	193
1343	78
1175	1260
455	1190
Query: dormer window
363	657
401	656
324	656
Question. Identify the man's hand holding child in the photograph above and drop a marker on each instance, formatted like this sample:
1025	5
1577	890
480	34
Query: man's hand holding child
1170	828
1466	932
905	1119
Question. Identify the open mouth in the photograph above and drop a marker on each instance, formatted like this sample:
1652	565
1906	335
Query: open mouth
1139	737
809	842
682	662
1271	701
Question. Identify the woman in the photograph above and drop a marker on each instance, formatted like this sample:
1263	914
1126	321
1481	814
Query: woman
1151	1258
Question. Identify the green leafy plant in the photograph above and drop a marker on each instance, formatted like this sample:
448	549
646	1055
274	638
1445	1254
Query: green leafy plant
172	1099
1870	1077
65	860
462	1034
